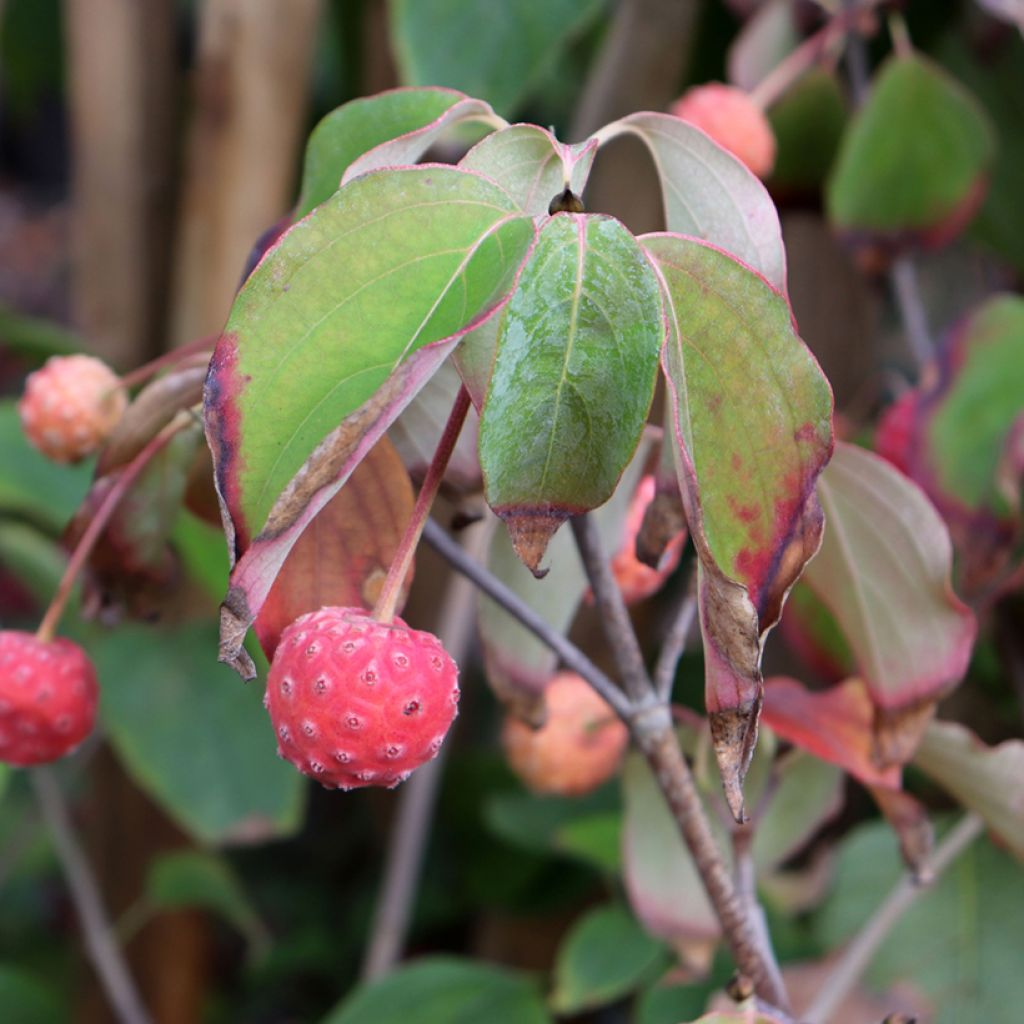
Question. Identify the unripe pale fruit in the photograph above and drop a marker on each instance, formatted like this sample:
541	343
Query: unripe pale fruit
733	120
48	696
70	406
578	747
356	702
636	580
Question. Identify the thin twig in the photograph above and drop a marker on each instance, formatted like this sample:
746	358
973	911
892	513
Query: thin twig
674	644
746	890
617	624
653	733
572	657
651	727
903	278
860	952
200	346
418	797
103	949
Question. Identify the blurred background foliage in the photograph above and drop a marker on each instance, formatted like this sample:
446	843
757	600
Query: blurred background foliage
243	892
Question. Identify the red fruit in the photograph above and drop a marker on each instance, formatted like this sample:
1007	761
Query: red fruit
48	697
357	702
70	406
730	117
636	580
578	747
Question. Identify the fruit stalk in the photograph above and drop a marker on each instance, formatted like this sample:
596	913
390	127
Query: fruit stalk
48	626
384	610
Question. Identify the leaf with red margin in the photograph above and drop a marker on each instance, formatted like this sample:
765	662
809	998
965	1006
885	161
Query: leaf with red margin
884	572
343	555
391	128
987	780
324	334
752	419
573	378
708	193
531	165
834	724
961	438
811	632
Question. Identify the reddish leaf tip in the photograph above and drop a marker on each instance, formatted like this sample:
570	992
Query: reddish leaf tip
531	530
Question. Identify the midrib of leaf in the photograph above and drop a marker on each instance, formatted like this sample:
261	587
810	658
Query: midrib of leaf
573	323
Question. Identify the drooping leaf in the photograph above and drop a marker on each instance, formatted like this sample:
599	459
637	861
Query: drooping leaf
961	425
661	880
835	724
445	989
909	819
194	878
324	333
344	554
914	160
573	378
960	939
605	956
812	633
518	665
747	468
366	125
987	780
497	51
884	572
708	193
531	164
808	123
202	748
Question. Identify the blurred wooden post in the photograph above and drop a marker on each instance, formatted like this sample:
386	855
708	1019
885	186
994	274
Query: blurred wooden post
246	129
121	91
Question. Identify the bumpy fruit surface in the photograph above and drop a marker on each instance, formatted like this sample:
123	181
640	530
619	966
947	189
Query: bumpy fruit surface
729	116
578	747
356	702
636	580
70	406
48	697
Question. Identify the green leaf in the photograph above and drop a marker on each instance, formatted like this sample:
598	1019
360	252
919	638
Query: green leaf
531	164
983	779
960	940
914	158
808	122
596	838
884	572
29	999
573	378
341	323
670	1004
360	126
752	416
807	793
30	485
444	989
193	739
497	51
191	878
604	957
35	559
708	193
36	338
